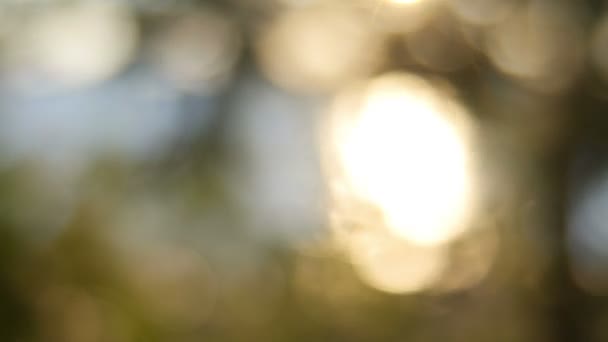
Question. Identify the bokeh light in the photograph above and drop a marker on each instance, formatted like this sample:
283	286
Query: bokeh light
405	147
441	46
404	2
317	49
482	12
303	170
390	264
401	16
539	45
198	50
77	44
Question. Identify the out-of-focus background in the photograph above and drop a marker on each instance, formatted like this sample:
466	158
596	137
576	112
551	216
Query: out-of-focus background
303	170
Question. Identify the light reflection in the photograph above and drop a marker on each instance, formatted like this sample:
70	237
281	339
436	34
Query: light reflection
406	151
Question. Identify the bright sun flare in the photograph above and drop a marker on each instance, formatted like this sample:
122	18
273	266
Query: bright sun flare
406	153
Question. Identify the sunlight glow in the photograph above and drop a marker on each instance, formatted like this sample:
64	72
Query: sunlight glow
81	44
404	2
406	152
317	49
392	265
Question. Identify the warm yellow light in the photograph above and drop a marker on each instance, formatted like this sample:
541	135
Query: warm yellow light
80	44
393	265
404	2
317	49
406	151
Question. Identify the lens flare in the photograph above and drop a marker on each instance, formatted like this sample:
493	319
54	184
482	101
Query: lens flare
406	151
